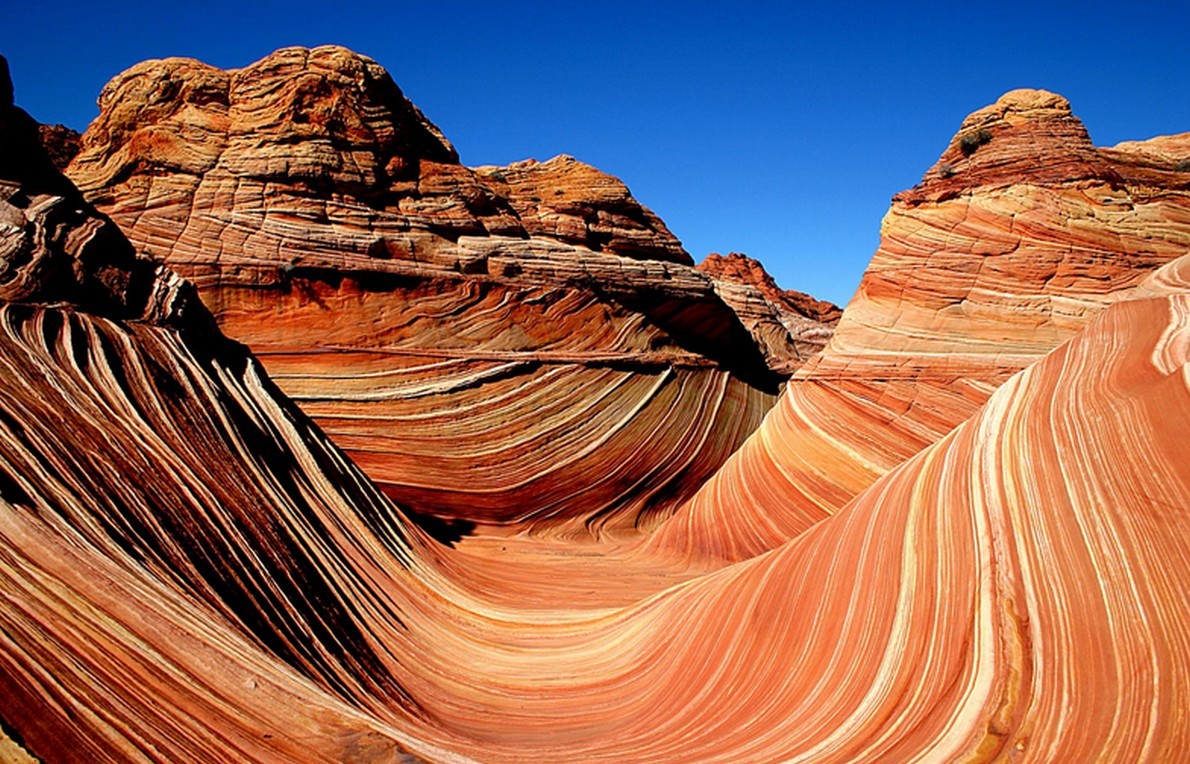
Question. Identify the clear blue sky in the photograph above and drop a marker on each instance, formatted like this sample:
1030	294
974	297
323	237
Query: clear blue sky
776	129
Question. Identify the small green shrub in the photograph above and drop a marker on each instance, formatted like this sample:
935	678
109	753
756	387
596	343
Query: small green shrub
973	140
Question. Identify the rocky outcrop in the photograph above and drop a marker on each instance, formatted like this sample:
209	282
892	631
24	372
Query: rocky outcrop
54	247
1019	235
740	269
487	343
60	143
789	326
128	425
345	147
567	200
190	571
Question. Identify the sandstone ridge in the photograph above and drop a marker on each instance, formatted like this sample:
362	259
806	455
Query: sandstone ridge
790	326
1032	136
408	302
1019	235
328	122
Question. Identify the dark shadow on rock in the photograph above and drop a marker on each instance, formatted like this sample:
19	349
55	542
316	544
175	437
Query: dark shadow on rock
443	530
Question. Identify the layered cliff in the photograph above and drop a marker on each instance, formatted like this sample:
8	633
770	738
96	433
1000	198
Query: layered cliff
1019	235
489	344
155	607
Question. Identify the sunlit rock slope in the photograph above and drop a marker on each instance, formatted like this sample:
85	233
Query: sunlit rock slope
1019	235
522	346
157	604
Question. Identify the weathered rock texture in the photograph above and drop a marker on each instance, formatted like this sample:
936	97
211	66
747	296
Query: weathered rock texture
790	326
524	346
60	143
740	269
191	572
55	248
154	606
1019	235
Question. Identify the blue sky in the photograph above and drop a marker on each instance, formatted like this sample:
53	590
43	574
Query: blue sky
776	129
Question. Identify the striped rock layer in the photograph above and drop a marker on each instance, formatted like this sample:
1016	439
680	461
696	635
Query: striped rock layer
249	595
1019	235
191	571
524	347
139	451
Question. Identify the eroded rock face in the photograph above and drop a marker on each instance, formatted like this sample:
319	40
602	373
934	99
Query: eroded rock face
448	326
740	269
1019	235
790	326
566	199
315	119
331	129
60	143
54	247
127	425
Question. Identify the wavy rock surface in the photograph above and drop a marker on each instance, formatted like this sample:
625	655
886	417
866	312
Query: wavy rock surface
1019	235
192	572
248	593
154	606
489	344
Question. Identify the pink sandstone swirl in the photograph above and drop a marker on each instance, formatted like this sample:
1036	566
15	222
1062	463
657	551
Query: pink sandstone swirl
139	450
191	571
213	580
523	347
1019	235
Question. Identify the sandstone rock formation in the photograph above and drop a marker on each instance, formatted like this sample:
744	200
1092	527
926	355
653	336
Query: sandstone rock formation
56	248
738	268
503	345
191	571
143	461
1019	235
60	143
790	326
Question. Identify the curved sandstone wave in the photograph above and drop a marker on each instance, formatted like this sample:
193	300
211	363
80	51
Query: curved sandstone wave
191	571
212	580
425	312
1019	235
154	607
